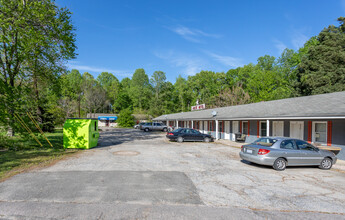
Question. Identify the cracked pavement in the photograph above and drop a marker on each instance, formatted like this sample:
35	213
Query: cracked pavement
138	175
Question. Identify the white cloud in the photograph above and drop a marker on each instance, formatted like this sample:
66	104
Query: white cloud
190	64
71	65
279	45
192	35
226	60
298	39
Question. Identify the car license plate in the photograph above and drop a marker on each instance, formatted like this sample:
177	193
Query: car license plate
249	151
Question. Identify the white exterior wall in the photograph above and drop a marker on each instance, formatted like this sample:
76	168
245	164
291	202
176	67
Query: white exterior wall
103	124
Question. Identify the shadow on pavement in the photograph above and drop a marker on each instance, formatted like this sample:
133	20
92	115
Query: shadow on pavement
115	136
270	167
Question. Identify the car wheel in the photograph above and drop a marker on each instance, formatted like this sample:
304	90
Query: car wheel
326	164
146	129
206	139
165	129
279	164
180	139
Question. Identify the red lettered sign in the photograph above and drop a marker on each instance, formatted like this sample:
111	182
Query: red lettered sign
198	107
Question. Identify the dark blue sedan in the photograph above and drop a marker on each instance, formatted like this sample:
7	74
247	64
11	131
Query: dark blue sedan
188	134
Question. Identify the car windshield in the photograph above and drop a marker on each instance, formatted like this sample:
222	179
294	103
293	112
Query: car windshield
268	142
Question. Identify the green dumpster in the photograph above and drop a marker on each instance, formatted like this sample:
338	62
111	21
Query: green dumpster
80	133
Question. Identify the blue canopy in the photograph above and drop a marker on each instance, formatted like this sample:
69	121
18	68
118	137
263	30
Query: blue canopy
107	118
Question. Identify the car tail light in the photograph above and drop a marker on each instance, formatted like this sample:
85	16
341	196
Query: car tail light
170	133
263	151
242	148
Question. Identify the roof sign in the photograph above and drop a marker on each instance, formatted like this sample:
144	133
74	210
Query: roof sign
107	118
198	107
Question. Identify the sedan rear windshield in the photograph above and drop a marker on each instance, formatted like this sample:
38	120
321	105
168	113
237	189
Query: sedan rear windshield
268	142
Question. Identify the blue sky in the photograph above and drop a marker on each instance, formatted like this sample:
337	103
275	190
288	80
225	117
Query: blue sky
185	37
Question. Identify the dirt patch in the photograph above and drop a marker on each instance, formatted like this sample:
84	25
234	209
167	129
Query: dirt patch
126	153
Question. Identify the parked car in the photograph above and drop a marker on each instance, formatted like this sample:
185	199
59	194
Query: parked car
155	126
281	152
188	134
137	126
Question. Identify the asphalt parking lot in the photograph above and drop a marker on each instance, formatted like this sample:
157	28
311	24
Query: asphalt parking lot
139	175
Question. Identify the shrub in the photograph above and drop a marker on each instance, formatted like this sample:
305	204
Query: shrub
125	118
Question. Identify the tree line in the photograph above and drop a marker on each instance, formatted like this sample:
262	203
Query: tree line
317	67
37	38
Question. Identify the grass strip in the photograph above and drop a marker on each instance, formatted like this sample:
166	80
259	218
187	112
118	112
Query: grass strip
26	155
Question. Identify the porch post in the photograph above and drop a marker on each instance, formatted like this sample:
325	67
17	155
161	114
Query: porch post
192	125
268	128
176	123
217	128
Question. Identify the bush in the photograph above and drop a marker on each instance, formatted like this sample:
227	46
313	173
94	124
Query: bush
125	118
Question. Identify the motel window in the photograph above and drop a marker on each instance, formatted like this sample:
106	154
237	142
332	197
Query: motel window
245	127
263	128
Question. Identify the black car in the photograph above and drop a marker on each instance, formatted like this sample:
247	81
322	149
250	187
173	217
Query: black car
188	134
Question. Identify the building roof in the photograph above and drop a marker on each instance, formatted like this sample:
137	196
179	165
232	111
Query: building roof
315	106
96	115
136	116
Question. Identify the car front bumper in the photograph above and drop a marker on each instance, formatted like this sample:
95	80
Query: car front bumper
262	159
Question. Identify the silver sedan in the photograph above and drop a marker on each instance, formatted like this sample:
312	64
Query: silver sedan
280	152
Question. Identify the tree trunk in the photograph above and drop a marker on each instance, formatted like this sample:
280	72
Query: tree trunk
39	110
79	105
10	131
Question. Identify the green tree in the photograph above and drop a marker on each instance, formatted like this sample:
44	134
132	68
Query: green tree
167	98
125	84
322	70
158	83
267	85
123	101
95	98
182	94
231	96
126	118
266	62
111	85
240	75
140	90
205	85
105	79
75	87
31	30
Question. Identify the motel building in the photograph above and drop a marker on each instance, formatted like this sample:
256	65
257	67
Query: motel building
318	119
